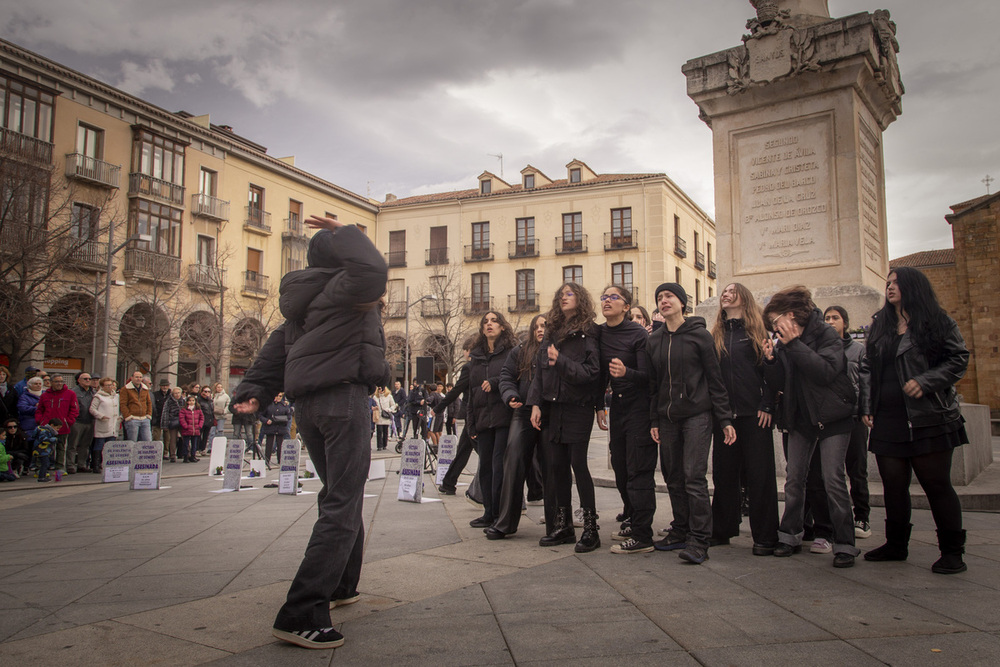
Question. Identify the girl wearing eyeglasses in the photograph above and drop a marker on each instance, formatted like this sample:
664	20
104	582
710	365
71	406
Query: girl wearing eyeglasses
633	452
563	395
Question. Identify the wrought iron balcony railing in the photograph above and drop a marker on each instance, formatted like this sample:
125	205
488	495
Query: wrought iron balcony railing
522	248
474	306
92	170
396	259
570	244
22	147
479	253
141	185
680	246
526	302
257	220
206	278
255	283
149	265
627	240
208	206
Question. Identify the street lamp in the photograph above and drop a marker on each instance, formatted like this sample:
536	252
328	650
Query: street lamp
112	251
406	353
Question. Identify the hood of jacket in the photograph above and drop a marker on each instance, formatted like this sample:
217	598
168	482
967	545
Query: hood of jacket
299	289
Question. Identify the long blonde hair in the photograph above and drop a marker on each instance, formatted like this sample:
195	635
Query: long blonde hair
753	322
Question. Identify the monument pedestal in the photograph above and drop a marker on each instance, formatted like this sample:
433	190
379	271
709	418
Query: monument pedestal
797	114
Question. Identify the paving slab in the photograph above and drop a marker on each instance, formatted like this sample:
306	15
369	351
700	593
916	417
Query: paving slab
832	652
967	649
106	643
418	576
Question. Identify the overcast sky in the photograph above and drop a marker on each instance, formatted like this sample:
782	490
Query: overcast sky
412	96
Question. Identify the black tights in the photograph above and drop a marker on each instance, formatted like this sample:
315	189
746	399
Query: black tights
562	457
934	474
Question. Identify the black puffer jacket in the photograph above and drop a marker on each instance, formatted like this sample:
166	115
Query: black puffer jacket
811	373
576	377
331	334
280	416
743	372
486	408
939	404
685	378
461	388
170	413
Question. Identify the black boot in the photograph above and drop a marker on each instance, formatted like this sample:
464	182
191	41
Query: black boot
952	545
562	532
591	538
897	539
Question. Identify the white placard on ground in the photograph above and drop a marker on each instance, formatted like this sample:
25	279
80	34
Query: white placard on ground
117	460
447	446
258	467
288	473
411	471
147	460
376	469
218	455
234	465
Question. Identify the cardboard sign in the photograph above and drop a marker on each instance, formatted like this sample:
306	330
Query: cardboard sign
218	456
411	473
147	459
376	469
117	460
288	474
234	465
447	447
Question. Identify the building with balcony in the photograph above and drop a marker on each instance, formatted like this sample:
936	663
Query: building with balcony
200	203
596	229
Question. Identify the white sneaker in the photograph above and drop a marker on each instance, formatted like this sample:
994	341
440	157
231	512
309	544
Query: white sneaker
578	517
820	546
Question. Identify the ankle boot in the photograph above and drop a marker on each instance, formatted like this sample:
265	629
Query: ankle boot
591	538
897	540
562	532
952	545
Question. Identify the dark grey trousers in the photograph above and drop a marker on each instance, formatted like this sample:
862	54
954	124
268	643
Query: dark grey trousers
685	446
335	425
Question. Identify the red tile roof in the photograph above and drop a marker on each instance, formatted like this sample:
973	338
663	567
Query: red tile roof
925	258
602	179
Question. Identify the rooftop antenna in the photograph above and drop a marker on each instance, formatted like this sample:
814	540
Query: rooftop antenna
988	181
498	156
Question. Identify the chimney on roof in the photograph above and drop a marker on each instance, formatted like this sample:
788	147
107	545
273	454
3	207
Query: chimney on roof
389	197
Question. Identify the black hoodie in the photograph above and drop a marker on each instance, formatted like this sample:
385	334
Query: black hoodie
685	378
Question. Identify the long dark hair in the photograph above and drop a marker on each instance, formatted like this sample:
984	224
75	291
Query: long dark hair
506	340
529	348
557	327
928	323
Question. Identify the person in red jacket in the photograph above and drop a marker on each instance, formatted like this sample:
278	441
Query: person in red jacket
58	401
192	419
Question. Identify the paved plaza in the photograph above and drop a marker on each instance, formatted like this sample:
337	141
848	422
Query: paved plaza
95	574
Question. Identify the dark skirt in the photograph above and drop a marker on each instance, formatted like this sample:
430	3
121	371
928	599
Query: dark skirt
925	441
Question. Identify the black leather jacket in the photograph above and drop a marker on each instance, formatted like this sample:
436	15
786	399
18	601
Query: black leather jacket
939	404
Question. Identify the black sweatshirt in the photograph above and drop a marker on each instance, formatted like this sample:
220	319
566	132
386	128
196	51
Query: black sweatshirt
625	342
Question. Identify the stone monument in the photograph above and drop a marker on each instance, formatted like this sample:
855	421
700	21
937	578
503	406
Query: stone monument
797	113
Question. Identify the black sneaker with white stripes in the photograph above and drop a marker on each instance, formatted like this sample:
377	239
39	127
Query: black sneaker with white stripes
631	546
316	638
624	532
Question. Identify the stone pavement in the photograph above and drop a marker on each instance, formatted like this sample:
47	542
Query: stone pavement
96	574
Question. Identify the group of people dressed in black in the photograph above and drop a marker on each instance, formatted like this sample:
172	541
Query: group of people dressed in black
676	391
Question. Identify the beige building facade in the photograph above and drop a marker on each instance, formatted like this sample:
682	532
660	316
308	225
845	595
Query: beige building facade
212	223
509	246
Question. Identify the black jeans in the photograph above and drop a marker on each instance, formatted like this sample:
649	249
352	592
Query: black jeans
857	471
491	444
523	441
335	425
753	452
382	436
685	446
629	430
462	453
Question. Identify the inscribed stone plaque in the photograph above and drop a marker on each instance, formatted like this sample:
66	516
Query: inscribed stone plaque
234	465
783	191
147	459
117	460
446	454
411	483
288	474
869	187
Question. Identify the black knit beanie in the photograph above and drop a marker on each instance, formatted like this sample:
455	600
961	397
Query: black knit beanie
674	289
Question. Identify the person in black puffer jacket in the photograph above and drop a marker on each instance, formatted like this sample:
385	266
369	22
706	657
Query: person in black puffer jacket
818	401
488	418
563	396
466	445
686	394
328	356
740	341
